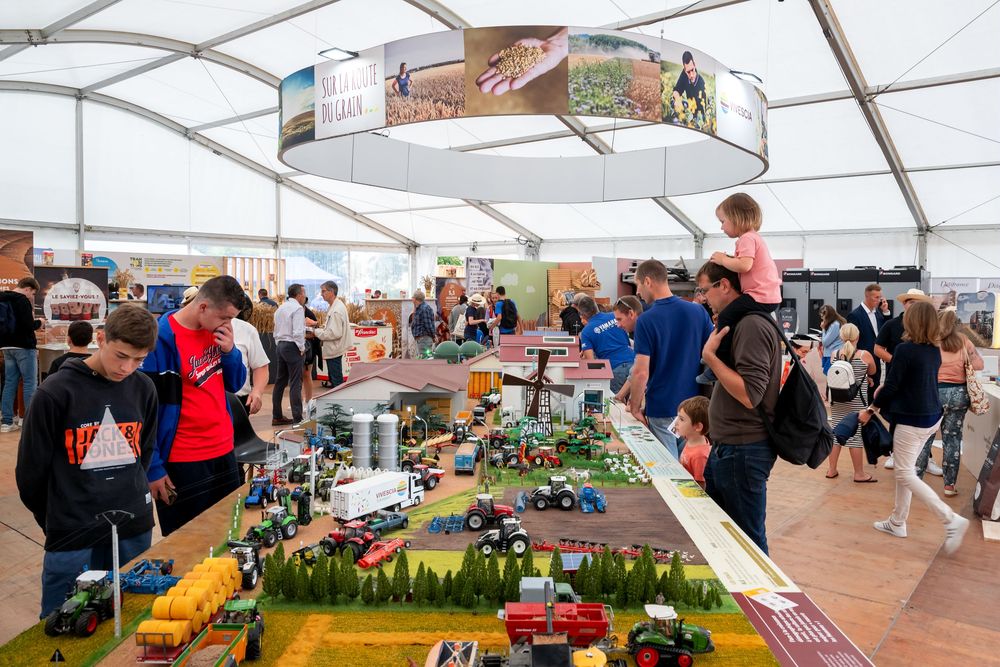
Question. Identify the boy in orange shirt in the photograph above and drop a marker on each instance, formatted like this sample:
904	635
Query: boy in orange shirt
692	425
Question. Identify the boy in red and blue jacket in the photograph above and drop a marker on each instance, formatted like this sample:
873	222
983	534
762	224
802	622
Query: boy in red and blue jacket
195	363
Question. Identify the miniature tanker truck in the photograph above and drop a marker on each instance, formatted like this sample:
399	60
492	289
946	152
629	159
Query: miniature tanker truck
387	490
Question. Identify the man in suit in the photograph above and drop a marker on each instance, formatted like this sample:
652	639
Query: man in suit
869	318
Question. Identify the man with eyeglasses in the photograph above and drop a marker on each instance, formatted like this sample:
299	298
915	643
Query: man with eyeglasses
742	457
335	333
668	339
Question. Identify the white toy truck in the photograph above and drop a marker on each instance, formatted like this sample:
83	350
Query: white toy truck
386	490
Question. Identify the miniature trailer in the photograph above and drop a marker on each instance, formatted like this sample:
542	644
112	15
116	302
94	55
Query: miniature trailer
386	490
232	637
466	456
584	623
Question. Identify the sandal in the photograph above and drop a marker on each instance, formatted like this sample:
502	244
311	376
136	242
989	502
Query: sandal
870	480
833	476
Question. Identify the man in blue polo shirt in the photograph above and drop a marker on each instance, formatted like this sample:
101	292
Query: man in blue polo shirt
602	338
669	337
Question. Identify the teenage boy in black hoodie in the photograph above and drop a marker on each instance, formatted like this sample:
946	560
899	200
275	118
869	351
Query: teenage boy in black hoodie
87	441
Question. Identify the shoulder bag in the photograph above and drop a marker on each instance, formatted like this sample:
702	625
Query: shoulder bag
979	404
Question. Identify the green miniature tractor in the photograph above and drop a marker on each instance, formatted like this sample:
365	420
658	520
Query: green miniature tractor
244	612
276	524
92	601
665	640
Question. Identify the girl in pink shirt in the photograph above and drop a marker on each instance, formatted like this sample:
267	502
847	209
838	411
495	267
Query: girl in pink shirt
761	286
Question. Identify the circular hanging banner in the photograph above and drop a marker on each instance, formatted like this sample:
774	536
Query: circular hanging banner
328	113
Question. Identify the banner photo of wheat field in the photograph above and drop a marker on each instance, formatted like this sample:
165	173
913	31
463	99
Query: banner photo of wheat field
688	78
297	117
425	78
612	75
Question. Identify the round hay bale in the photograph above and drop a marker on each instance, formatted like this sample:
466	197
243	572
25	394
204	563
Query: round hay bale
174	608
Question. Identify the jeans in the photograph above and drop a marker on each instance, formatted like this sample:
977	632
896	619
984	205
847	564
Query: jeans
955	401
620	375
424	345
200	485
907	442
738	484
659	426
289	375
60	568
18	364
335	371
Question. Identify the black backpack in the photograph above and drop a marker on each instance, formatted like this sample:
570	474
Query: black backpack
800	432
508	318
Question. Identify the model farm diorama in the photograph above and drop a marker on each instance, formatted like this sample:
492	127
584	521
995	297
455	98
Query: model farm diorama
406	535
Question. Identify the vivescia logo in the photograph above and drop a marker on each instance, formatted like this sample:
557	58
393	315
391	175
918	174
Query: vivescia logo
724	103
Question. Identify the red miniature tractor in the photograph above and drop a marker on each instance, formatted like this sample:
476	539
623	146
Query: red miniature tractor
430	477
485	511
414	456
354	536
545	456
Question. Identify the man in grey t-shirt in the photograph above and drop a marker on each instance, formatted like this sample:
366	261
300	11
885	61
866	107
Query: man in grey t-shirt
742	457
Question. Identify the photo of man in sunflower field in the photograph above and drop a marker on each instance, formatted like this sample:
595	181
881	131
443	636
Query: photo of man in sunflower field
688	94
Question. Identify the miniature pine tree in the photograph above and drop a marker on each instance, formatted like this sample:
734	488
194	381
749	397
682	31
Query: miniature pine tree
289	583
446	586
699	593
272	581
420	585
333	579
303	590
582	583
348	577
318	580
479	575
676	589
279	553
556	567
718	597
621	593
493	590
383	586
457	587
663	585
635	584
620	570
401	578
708	599
511	578
368	590
468	561
434	593
607	572
527	564
468	598
649	575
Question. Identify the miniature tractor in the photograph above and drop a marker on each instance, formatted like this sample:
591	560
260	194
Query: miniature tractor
92	601
505	457
276	524
355	536
667	640
498	437
485	511
430	476
508	537
244	612
591	499
308	555
262	491
545	457
558	493
247	556
414	456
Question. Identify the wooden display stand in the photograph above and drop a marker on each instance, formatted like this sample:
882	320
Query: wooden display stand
255	273
568	280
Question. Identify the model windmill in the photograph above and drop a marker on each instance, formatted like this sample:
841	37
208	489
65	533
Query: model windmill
537	403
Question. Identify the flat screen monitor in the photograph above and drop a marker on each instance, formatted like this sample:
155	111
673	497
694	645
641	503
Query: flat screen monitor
162	298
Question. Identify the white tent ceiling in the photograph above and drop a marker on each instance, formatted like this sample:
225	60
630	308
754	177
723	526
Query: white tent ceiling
925	76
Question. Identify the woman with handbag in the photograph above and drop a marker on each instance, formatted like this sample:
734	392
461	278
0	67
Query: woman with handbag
959	360
863	366
910	394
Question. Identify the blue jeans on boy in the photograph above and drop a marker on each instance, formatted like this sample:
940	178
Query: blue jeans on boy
739	476
620	376
18	364
61	568
659	426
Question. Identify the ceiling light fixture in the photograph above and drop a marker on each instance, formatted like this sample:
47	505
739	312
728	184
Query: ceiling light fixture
337	53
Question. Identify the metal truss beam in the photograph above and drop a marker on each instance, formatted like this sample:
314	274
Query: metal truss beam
214	146
235	119
504	220
841	48
441	13
63	23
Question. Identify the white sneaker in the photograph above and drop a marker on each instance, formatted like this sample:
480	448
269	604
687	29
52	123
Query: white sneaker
8	428
889	463
17	421
934	469
887	526
954	533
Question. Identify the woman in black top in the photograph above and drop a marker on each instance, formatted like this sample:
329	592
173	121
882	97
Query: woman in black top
475	320
910	394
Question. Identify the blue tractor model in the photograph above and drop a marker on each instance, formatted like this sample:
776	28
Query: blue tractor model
262	491
591	499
